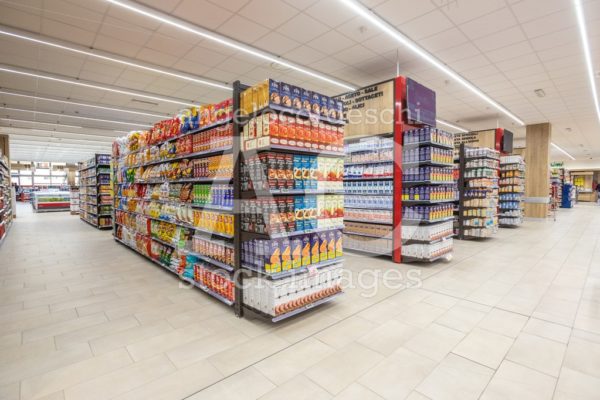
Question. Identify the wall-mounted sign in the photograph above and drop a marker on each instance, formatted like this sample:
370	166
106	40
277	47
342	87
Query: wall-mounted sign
557	164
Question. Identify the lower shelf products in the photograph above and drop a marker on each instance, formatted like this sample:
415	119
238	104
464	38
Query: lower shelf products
279	297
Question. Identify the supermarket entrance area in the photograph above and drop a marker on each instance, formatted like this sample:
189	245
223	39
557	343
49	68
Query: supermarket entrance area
84	317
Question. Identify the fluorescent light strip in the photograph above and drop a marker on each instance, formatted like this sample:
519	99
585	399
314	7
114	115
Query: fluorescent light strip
394	33
11	130
77	116
458	128
7	32
562	151
94	86
83	104
182	25
587	53
43	123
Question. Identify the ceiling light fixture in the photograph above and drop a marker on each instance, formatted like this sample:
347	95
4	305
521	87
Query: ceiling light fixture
79	117
587	54
401	38
53	43
43	123
206	34
455	127
92	86
562	151
84	104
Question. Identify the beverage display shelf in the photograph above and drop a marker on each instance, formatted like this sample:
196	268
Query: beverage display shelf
168	268
424	163
182	224
372	178
295	112
484	167
479	217
482	158
294	312
374	150
293	271
199	154
278	235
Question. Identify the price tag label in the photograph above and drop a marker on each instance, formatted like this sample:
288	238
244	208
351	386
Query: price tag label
312	270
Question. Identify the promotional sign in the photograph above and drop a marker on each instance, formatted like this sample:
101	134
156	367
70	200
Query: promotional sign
369	110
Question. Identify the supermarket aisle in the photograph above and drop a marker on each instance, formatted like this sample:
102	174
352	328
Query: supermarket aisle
514	317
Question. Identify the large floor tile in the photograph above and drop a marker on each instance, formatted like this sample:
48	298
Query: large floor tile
484	347
535	352
516	382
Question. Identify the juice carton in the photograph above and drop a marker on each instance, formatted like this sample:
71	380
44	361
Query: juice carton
306	250
286	254
299	213
315	103
285	91
314	248
323	243
305	97
296	252
297	171
296	98
331	245
339	247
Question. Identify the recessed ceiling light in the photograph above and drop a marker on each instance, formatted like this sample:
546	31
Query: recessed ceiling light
540	92
279	67
448	124
562	150
225	41
587	53
391	31
22	71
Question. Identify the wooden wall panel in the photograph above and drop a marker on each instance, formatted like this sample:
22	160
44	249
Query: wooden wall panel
369	110
537	175
4	146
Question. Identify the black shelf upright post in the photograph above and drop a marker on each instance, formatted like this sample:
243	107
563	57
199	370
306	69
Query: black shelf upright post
237	195
461	191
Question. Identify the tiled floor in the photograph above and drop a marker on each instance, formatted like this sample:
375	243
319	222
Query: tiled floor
514	317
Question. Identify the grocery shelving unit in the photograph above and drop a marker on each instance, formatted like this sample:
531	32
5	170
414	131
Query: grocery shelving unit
95	192
428	194
478	192
398	204
301	247
74	199
512	190
6	212
169	226
49	201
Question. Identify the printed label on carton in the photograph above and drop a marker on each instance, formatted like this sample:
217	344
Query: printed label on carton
306	95
315	103
296	98
274	96
285	91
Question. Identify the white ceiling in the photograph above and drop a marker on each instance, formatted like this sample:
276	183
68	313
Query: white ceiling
507	48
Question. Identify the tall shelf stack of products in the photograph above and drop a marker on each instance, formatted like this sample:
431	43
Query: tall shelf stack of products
247	209
95	192
74	200
50	200
369	190
512	190
478	192
292	207
174	196
556	184
6	212
428	193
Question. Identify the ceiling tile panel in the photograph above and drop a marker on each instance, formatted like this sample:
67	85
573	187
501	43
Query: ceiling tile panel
303	28
268	13
466	10
398	12
489	23
426	25
242	29
500	39
276	43
331	13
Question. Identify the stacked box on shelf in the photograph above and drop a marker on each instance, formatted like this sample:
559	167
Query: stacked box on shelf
95	192
512	190
293	205
74	200
6	212
368	195
478	190
428	194
174	196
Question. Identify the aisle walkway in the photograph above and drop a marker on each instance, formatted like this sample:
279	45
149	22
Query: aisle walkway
515	317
